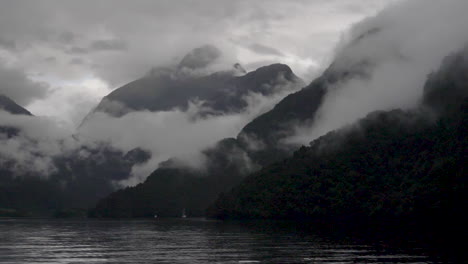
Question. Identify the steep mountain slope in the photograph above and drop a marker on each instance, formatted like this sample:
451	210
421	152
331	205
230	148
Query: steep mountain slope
268	130
391	167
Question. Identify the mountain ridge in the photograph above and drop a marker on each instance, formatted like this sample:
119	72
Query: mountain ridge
8	105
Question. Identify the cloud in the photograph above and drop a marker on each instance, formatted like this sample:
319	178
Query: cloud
77	50
7	44
120	46
77	61
264	50
16	85
183	134
400	46
66	37
175	133
108	45
33	149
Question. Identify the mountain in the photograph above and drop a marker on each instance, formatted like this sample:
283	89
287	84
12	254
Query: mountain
164	89
89	173
81	176
257	145
174	187
299	108
79	179
403	168
225	163
10	106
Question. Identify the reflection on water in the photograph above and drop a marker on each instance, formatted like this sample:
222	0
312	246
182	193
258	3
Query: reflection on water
177	241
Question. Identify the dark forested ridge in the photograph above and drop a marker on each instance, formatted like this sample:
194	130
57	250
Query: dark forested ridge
406	167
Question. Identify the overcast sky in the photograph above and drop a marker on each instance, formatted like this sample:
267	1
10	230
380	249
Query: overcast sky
59	58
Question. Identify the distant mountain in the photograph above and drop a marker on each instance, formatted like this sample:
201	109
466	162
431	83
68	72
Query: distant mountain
164	89
10	106
390	168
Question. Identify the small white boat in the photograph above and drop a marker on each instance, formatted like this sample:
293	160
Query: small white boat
183	213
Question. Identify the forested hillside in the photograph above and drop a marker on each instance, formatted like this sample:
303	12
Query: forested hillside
398	166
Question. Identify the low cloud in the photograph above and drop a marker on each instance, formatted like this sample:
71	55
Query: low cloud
264	50
183	134
39	140
398	48
176	133
108	45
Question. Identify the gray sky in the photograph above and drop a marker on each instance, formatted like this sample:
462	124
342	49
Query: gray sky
59	58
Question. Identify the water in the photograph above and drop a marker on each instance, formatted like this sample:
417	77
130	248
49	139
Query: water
180	241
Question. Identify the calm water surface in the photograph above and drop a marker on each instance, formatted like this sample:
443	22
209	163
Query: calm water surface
180	241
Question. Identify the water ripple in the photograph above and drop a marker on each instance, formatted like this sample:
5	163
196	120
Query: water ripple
175	241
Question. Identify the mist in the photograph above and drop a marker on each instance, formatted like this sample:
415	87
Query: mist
39	140
183	134
396	49
179	133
